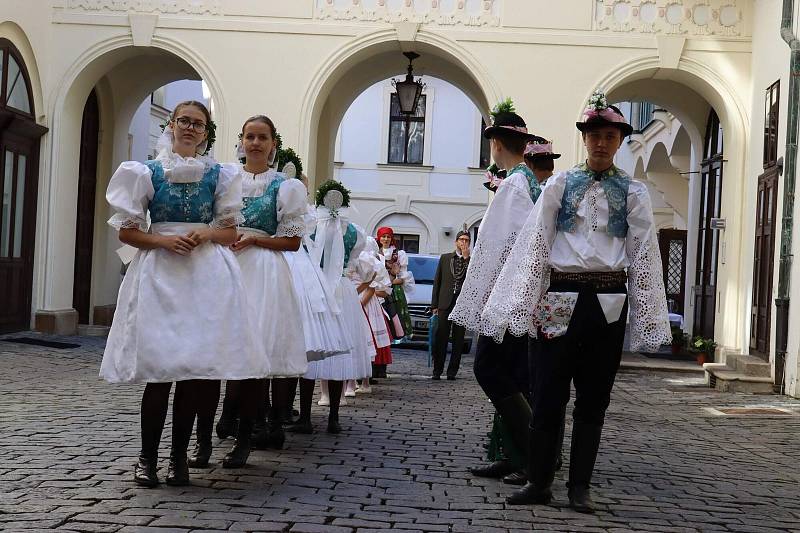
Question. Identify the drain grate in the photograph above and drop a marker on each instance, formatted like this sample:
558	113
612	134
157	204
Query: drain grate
750	411
38	342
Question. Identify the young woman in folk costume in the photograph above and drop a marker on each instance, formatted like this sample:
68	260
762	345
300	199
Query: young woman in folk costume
373	283
336	245
402	282
273	223
181	314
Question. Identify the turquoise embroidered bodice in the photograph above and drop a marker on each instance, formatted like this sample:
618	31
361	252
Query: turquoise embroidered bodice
534	189
350	239
261	212
182	202
615	183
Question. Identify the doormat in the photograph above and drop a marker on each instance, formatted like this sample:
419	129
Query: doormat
38	342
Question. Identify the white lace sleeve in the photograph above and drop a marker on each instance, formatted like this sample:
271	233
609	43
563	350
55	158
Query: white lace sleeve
228	198
649	321
129	193
292	207
496	237
525	276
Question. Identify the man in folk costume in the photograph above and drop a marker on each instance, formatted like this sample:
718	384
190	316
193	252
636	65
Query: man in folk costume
590	233
501	367
539	157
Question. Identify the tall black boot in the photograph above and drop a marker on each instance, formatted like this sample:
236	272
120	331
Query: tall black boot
583	453
272	435
542	454
335	391
183	413
226	426
560	456
237	457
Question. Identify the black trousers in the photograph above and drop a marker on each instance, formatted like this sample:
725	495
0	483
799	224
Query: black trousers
439	351
502	369
588	355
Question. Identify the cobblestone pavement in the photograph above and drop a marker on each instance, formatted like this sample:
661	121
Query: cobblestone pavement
68	442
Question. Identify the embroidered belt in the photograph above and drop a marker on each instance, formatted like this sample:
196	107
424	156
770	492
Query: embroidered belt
598	280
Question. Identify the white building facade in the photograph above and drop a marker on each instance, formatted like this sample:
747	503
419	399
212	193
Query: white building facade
708	63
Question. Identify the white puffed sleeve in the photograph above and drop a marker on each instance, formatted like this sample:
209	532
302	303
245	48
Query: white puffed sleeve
292	207
361	244
129	193
228	198
525	276
496	237
405	274
649	321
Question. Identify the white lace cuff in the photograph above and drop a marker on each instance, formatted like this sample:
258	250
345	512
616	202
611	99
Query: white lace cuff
123	221
227	219
291	227
649	321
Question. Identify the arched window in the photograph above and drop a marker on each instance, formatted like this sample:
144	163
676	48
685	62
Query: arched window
15	89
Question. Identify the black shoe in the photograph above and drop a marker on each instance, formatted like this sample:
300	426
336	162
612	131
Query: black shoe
334	426
373	381
270	440
494	470
301	426
516	478
529	495
201	455
178	470
580	500
226	427
436	377
144	471
237	457
451	378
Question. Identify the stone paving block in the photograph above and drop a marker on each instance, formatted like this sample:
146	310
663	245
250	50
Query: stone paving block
318	528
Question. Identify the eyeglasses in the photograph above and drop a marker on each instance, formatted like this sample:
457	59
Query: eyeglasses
185	124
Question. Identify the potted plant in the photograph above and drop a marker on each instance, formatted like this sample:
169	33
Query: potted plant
679	339
703	349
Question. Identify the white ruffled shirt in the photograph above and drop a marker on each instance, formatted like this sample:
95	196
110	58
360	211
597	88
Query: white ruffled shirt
515	303
131	189
496	237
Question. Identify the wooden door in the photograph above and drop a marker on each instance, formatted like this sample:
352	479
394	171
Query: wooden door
87	184
763	262
705	288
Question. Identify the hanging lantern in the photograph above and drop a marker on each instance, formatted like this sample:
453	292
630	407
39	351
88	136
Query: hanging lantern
408	90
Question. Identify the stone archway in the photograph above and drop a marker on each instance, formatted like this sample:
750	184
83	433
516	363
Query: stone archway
367	60
121	76
689	91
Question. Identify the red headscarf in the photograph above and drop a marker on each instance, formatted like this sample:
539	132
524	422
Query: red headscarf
385	230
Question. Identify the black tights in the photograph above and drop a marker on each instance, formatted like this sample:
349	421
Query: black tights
191	397
307	393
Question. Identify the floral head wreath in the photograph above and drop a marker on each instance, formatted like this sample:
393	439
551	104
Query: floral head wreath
332	185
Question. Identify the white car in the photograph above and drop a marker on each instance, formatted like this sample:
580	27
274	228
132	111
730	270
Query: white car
419	300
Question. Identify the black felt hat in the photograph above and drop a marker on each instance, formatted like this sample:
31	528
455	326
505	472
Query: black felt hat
600	117
508	123
540	148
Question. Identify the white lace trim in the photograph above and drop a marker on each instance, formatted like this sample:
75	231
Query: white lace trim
649	321
524	279
122	221
291	227
227	219
482	273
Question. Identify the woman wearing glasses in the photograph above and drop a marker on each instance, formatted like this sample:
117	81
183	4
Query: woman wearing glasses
181	313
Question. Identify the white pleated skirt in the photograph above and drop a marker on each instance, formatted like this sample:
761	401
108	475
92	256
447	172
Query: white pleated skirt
273	309
182	317
356	363
324	327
